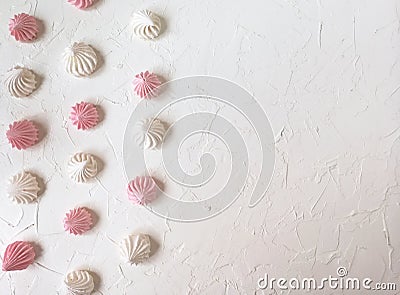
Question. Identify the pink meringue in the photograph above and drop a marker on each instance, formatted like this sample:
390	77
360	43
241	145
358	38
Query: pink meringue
18	256
145	84
82	4
22	134
78	221
142	190
84	115
23	27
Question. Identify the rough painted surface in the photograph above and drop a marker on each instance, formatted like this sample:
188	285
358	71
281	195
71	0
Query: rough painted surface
327	74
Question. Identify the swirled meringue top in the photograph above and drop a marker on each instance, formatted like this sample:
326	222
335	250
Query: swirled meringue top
23	27
82	167
23	188
135	248
84	115
146	24
22	134
80	59
79	282
145	84
82	4
21	82
142	190
149	133
78	221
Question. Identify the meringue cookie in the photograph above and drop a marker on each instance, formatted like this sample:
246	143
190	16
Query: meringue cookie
21	82
82	4
23	27
82	167
78	221
79	282
145	84
142	190
146	24
149	133
135	248
80	60
22	134
84	115
23	188
18	256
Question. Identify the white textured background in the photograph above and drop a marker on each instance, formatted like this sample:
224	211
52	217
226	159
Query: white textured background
327	74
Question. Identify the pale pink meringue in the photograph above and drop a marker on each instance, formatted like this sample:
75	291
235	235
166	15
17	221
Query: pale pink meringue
142	190
23	27
82	4
22	134
145	84
84	115
18	256
78	221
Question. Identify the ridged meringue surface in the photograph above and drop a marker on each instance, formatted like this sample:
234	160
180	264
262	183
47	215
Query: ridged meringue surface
82	4
23	27
84	115
135	248
145	84
79	282
78	221
22	134
21	82
18	256
142	190
80	59
146	24
23	188
149	133
82	167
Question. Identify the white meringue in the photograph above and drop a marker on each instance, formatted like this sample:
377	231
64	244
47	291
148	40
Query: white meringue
146	24
82	167
21	82
135	248
80	60
23	188
149	133
79	282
